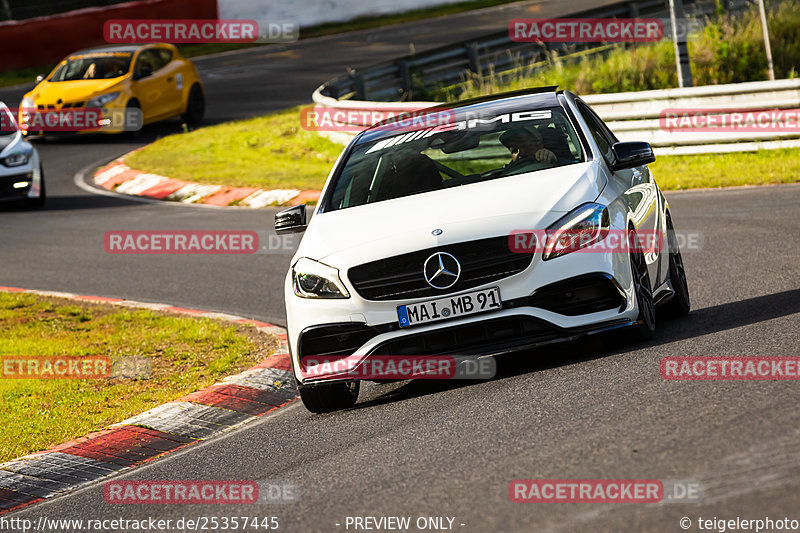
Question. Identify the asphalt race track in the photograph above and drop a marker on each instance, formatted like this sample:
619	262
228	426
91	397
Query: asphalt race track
596	409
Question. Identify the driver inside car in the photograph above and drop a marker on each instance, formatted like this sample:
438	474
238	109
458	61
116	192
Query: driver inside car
526	146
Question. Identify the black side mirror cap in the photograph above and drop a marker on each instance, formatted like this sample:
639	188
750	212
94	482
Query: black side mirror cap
631	154
292	220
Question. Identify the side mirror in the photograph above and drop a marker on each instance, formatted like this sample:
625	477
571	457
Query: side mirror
292	220
39	79
631	154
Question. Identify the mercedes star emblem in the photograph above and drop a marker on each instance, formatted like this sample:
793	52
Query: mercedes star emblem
442	270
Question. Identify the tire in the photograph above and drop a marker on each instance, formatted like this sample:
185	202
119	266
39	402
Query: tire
133	104
38	203
679	304
195	106
330	397
645	326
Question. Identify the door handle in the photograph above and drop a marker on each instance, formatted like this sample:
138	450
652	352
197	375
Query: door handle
169	79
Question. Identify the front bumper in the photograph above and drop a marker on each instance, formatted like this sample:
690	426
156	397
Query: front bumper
110	120
11	185
535	312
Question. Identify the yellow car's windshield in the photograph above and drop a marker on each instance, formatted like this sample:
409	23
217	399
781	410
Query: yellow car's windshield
93	67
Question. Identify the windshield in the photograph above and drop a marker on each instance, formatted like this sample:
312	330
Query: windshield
93	67
469	151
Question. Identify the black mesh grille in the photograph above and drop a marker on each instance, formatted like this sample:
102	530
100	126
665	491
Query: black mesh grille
335	339
489	336
579	296
402	277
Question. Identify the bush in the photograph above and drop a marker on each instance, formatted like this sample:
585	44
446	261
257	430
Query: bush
730	49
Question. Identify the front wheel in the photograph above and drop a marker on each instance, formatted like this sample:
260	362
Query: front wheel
646	320
133	106
330	396
195	106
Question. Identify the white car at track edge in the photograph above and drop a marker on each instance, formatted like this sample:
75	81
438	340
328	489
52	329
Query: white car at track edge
21	175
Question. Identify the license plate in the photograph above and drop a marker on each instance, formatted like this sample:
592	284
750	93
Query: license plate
449	307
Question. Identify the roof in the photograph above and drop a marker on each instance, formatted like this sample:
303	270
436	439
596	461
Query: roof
109	48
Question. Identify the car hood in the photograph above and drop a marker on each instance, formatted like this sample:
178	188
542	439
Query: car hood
8	141
496	207
70	91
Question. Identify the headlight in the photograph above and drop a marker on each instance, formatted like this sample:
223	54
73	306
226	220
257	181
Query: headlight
26	107
582	227
312	279
102	100
17	159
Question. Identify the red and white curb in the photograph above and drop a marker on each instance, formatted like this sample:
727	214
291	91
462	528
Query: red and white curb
120	178
234	401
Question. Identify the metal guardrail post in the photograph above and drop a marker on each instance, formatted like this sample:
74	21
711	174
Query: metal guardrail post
474	58
358	84
681	47
405	79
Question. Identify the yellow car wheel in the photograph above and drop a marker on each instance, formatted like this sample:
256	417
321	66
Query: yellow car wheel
195	106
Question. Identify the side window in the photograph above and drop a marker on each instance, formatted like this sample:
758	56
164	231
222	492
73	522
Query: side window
165	56
599	131
151	59
604	127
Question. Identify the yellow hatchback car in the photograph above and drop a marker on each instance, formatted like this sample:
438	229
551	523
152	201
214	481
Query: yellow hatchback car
131	85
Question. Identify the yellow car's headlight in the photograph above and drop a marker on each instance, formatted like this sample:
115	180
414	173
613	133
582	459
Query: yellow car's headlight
102	100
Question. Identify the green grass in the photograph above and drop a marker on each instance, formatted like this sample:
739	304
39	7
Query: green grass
273	151
187	354
765	167
727	50
27	75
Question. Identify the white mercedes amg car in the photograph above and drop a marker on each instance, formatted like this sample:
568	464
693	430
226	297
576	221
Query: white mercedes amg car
517	221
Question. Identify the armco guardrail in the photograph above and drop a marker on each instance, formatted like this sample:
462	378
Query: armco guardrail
414	77
632	116
638	115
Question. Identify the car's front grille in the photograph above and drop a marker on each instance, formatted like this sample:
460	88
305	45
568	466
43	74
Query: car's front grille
402	276
68	105
486	337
